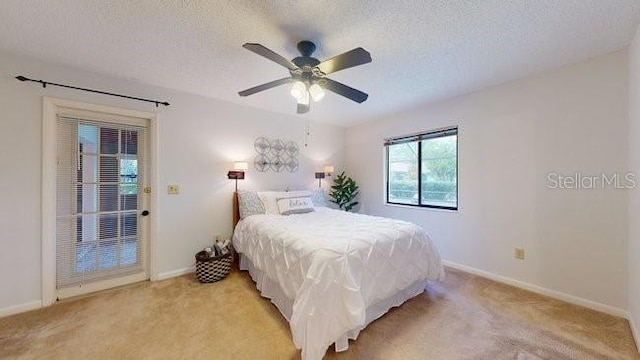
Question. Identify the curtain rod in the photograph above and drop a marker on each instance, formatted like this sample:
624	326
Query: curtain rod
45	83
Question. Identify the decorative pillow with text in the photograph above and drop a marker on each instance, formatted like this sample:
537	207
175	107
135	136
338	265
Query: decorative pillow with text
295	205
270	199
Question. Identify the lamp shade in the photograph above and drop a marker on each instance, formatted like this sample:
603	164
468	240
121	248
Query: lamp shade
304	98
298	90
316	92
328	169
240	165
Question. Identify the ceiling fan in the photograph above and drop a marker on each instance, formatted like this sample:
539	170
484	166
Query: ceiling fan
308	74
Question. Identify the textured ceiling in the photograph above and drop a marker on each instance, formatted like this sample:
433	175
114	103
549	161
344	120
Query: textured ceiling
423	51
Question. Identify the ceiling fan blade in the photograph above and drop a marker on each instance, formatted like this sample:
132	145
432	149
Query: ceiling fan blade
355	57
344	90
269	54
266	86
303	108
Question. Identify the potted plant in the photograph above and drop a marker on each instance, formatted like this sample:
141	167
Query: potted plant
343	192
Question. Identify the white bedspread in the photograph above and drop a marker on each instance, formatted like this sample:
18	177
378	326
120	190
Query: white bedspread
333	265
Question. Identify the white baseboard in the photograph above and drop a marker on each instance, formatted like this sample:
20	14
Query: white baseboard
634	331
173	273
607	309
16	309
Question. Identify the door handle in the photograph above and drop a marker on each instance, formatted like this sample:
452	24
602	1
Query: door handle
144	212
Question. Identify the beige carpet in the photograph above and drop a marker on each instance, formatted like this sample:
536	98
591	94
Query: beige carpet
464	317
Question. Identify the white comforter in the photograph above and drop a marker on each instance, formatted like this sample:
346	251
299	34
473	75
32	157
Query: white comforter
333	265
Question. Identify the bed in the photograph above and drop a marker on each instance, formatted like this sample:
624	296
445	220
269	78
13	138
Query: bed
329	272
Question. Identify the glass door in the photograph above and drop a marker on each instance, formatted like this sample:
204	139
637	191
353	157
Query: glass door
100	203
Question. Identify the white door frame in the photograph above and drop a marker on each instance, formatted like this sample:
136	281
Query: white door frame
51	107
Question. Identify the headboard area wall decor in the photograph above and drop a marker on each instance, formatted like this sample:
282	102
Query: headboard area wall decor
276	155
285	157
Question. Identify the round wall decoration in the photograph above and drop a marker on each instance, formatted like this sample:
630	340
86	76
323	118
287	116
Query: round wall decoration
277	147
291	165
262	163
292	148
277	163
262	145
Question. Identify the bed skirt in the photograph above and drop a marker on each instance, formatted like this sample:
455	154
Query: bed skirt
272	291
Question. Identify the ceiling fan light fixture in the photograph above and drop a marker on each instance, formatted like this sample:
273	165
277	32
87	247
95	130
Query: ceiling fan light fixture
304	99
298	90
317	92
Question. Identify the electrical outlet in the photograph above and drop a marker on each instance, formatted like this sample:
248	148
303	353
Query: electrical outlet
173	189
519	253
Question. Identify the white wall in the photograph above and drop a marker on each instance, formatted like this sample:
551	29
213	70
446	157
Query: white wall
573	119
199	138
634	196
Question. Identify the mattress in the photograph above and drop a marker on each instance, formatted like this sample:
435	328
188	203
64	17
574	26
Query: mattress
335	270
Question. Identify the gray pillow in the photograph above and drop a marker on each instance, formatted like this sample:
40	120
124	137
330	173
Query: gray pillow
249	203
318	198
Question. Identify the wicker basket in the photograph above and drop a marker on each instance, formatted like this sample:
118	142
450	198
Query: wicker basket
212	269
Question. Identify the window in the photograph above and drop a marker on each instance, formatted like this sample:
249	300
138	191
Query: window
422	169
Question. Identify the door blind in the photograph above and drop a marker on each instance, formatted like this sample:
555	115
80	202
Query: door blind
99	196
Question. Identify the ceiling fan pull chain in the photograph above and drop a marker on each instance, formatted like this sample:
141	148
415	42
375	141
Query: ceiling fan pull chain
306	133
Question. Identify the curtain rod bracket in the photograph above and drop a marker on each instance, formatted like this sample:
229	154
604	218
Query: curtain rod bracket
44	85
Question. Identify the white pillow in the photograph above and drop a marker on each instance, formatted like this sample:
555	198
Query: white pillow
270	199
295	205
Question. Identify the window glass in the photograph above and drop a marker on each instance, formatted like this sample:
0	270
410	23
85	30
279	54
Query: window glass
403	173
439	172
